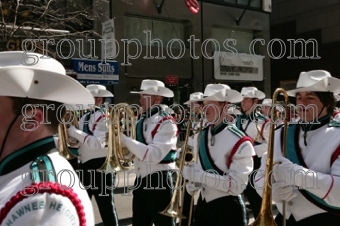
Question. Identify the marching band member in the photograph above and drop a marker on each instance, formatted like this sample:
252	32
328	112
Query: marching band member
256	126
92	153
307	177
224	161
194	117
155	149
336	113
266	107
193	109
33	188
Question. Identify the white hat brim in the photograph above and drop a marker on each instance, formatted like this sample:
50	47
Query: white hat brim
327	84
258	94
101	93
43	85
190	101
157	91
337	97
234	112
229	95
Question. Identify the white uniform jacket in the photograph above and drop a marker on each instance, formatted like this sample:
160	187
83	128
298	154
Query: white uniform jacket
92	136
66	203
231	154
319	155
158	151
259	131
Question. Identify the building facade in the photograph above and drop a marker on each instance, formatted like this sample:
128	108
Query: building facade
194	63
310	30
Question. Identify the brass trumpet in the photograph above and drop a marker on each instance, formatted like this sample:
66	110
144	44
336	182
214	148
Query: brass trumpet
64	139
116	153
265	217
175	207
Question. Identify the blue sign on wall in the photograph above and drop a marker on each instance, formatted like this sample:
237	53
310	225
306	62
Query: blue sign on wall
96	72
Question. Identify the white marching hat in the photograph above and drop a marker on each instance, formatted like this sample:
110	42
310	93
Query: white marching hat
99	91
220	93
267	102
252	92
316	81
194	97
30	75
337	97
154	87
233	111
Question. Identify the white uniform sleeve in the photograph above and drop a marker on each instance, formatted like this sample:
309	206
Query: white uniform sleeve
234	181
46	209
330	184
165	139
97	126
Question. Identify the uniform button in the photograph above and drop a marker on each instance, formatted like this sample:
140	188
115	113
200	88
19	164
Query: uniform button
290	203
138	168
203	189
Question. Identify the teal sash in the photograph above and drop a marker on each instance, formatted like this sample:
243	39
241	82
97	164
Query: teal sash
294	155
205	158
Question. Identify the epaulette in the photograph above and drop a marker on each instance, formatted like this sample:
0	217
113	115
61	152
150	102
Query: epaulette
261	116
334	123
163	113
232	128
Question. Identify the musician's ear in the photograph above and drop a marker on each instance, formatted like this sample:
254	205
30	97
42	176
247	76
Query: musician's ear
32	117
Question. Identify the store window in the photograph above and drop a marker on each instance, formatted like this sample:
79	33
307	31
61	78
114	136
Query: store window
165	30
254	3
243	39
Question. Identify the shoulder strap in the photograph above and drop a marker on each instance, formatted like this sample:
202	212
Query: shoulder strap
335	155
169	117
86	123
262	127
42	169
235	148
232	128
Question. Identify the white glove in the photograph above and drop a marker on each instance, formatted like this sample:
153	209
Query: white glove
193	172
192	188
291	174
179	152
282	193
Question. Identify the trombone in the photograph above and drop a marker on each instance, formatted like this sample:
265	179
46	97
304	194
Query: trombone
265	217
64	139
116	153
175	207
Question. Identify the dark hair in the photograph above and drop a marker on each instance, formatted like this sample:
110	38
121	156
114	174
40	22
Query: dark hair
19	102
328	100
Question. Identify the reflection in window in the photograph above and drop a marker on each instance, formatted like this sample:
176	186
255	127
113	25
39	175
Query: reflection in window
243	39
160	29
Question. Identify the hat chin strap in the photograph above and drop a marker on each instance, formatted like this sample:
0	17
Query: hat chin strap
10	127
323	106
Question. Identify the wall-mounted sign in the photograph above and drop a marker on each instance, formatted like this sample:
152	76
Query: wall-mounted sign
171	79
96	72
239	66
